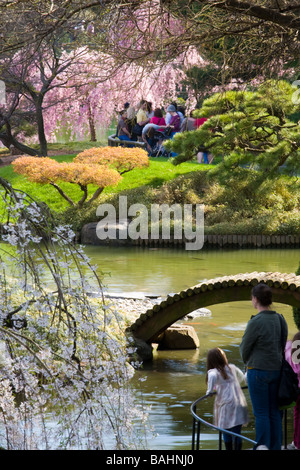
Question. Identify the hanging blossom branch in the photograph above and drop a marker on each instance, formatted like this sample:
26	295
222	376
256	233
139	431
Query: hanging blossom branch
64	366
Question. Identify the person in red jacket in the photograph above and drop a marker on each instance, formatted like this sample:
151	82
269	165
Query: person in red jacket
207	157
199	122
158	119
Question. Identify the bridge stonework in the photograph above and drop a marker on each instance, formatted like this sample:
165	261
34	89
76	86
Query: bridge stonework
285	288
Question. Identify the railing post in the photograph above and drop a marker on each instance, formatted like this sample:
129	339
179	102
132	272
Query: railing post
193	435
198	419
197	440
198	435
285	428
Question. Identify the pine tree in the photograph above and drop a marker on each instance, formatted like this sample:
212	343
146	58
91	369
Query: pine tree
248	129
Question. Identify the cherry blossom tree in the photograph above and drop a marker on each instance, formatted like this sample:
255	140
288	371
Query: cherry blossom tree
82	107
239	34
252	37
65	374
80	91
29	76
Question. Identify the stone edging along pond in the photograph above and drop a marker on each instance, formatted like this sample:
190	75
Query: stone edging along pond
88	236
255	241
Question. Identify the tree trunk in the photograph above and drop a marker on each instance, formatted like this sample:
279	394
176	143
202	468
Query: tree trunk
92	126
63	194
9	140
95	195
41	127
84	197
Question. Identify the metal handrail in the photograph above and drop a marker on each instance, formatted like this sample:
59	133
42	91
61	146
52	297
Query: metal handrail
198	420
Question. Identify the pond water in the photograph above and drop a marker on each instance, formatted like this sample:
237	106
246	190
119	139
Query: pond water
175	379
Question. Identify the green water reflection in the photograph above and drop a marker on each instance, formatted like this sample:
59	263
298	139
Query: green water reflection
177	378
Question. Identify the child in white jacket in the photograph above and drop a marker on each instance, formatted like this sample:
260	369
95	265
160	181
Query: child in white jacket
230	406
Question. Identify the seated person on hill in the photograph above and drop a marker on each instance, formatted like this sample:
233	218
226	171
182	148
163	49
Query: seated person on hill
202	153
188	123
122	129
169	116
158	119
149	110
141	116
181	111
141	120
131	120
148	136
174	122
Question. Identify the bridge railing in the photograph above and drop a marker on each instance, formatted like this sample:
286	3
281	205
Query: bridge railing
197	421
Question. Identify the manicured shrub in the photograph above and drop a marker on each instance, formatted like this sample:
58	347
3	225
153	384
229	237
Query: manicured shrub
49	171
123	159
100	167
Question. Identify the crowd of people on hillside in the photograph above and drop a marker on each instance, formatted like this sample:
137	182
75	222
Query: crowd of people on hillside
153	126
263	348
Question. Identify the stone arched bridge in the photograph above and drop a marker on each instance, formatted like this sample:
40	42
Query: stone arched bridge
285	288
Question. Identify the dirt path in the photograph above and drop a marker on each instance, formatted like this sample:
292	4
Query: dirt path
6	160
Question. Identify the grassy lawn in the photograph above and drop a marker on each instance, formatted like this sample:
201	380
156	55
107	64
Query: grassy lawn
234	207
69	147
159	171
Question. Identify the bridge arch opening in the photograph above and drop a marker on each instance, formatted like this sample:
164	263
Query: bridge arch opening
285	288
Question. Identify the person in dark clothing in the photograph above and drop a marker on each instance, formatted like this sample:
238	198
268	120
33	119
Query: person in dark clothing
261	351
123	132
